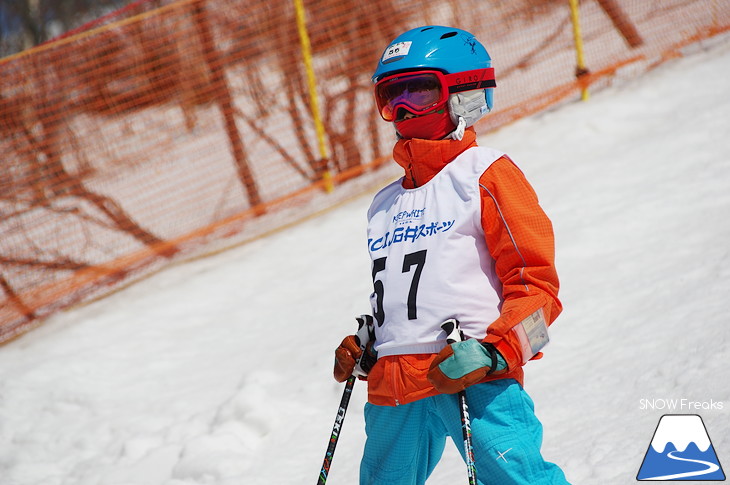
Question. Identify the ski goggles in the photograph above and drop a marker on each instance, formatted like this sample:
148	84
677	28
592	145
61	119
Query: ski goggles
422	91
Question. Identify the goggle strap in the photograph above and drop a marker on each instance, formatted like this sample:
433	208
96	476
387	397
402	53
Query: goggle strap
469	80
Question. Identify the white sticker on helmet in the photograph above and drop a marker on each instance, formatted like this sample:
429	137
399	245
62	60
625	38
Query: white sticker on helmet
396	50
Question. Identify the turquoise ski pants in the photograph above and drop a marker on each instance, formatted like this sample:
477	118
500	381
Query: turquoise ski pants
404	443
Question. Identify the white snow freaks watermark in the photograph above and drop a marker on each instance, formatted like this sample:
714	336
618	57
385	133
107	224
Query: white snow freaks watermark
681	450
679	404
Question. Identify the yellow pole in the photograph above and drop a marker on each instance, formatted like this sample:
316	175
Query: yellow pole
580	69
313	99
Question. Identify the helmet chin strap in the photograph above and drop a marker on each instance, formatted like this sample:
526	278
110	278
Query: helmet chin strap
458	133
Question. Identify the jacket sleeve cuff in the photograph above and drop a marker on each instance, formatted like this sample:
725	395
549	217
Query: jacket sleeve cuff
509	347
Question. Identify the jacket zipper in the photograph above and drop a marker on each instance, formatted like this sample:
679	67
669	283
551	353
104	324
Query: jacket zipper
394	381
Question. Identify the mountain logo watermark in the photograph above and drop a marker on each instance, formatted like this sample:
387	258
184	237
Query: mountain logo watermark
680	450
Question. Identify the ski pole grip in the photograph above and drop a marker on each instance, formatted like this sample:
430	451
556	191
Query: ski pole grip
365	334
453	332
365	330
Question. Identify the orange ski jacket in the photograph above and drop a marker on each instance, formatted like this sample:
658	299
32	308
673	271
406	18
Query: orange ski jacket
520	239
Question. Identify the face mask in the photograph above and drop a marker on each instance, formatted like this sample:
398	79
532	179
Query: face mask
432	126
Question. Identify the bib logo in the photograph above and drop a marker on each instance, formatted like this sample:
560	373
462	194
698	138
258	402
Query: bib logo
681	450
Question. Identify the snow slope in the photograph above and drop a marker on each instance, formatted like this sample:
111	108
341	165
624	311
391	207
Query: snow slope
218	371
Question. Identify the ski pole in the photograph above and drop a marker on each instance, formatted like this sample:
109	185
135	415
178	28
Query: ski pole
453	334
336	430
365	332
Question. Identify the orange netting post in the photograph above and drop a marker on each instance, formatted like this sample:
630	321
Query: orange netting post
313	96
580	68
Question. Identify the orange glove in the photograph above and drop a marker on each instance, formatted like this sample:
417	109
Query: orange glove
346	356
463	363
356	355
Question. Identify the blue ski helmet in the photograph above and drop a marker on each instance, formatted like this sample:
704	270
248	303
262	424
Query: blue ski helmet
445	49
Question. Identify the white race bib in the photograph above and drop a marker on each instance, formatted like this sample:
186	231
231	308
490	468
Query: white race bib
429	259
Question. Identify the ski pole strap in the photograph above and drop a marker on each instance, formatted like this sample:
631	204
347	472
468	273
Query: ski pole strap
493	356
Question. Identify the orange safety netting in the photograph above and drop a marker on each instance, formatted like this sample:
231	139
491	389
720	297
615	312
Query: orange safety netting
173	128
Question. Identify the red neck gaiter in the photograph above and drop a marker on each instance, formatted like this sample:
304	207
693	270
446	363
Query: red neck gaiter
433	126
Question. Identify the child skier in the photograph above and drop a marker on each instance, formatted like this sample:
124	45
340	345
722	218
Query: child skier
460	236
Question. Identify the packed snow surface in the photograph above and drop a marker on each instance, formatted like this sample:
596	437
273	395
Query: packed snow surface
219	371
